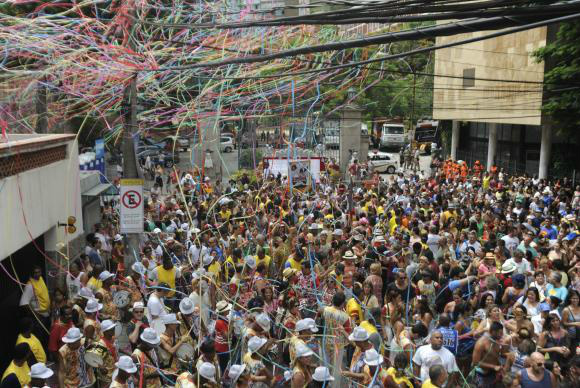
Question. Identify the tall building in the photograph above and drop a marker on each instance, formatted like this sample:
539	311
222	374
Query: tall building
490	92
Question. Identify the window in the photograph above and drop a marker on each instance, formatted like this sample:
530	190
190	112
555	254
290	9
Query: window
393	130
469	77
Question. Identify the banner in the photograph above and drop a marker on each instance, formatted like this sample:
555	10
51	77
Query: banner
100	159
131	199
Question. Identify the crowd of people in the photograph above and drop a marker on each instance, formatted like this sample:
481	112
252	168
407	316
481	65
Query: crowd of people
446	281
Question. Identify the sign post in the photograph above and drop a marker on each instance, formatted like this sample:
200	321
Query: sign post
131	206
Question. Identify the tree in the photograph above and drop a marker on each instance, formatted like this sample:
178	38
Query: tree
562	58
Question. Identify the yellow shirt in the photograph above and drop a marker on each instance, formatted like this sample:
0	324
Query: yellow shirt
167	276
353	309
428	384
35	347
21	372
294	264
266	260
41	293
215	269
399	380
95	284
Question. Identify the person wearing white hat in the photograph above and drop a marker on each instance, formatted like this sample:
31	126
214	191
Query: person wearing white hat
137	323
322	378
257	348
170	342
222	333
105	294
73	372
147	359
104	373
167	273
304	329
39	374
92	326
206	375
135	282
126	368
239	375
303	366
360	337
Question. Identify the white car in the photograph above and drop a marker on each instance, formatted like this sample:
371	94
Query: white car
226	144
383	162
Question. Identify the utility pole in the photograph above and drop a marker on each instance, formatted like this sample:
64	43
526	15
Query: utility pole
413	104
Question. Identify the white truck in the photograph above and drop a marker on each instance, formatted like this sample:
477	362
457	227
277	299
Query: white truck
393	136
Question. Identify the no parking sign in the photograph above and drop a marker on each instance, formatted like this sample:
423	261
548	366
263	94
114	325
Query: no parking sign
131	206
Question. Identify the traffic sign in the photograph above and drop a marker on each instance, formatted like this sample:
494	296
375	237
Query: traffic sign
131	206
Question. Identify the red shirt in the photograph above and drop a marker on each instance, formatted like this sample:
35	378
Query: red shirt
221	336
57	331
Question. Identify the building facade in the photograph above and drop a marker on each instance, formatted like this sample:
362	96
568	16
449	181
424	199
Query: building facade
490	93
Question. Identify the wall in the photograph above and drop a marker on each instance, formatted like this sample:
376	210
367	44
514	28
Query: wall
34	201
507	57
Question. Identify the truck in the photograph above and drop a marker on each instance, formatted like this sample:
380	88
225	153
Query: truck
393	135
427	135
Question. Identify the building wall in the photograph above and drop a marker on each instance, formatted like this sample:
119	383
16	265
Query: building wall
33	202
506	57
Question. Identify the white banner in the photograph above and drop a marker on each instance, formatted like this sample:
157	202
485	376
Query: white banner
131	206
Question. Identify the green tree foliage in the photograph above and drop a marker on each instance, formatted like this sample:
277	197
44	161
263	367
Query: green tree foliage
562	57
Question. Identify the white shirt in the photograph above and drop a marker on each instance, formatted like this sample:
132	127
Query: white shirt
433	242
155	307
73	285
522	267
511	243
426	357
105	246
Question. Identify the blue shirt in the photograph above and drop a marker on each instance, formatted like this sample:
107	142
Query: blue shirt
450	338
560	292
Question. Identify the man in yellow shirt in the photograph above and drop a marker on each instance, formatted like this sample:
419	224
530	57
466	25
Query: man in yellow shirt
262	257
18	371
353	307
437	377
26	336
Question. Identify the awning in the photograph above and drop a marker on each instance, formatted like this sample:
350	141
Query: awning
101	189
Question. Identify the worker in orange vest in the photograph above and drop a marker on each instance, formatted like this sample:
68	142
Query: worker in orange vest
464	172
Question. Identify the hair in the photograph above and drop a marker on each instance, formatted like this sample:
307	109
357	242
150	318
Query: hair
557	276
401	359
548	322
338	299
420	329
207	346
495	326
26	325
435	372
527	346
536	292
21	351
572	293
509	379
444	320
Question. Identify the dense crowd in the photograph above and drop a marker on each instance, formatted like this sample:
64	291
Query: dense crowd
460	279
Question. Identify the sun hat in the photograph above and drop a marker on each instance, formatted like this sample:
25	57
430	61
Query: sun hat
40	371
337	232
263	320
150	336
358	335
322	374
306	324
508	267
489	255
86	293
236	371
107	325
303	351
126	364
289	272
250	262
139	268
138	306
373	358
207	370
207	259
255	343
72	335
349	255
186	306
93	306
156	230
179	212
171	319
105	275
222	306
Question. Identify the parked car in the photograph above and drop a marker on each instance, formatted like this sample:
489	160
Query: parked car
382	162
226	144
182	143
169	159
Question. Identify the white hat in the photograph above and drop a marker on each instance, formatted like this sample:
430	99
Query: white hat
186	306
171	319
93	306
195	230
156	230
150	336
107	325
263	320
137	306
139	268
306	324
118	238
222	306
373	358
207	370
179	212
358	335
207	259
303	351
337	232
250	262
322	374
236	371
40	371
105	275
349	255
86	293
185	226
72	335
126	364
255	343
